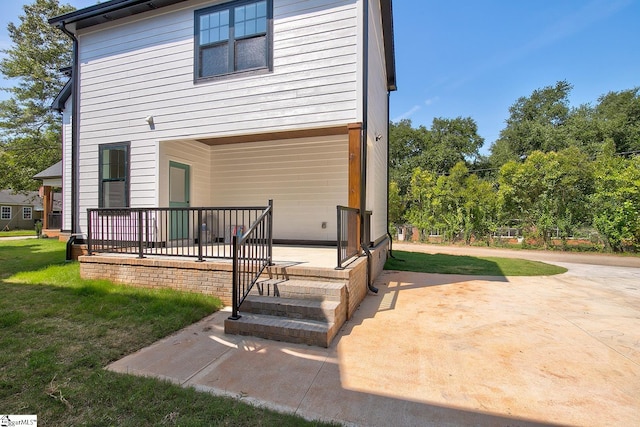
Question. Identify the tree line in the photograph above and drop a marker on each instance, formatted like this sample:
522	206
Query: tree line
29	130
554	168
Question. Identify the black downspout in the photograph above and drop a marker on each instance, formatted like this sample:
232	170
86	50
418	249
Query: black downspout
388	175
75	100
363	141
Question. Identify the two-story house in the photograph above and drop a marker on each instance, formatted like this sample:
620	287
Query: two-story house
191	103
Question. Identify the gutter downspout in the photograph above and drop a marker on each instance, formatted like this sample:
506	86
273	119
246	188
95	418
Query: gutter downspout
363	140
388	175
75	100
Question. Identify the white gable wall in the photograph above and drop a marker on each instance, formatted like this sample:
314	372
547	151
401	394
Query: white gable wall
377	126
140	67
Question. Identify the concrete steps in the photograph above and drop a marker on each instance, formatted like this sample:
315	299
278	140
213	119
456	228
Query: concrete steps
297	311
323	311
299	331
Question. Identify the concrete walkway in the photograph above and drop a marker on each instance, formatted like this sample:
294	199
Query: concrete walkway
435	349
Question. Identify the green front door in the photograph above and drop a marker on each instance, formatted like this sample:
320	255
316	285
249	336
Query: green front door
179	198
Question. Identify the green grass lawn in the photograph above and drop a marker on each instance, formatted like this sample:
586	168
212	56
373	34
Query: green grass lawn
58	332
17	233
477	266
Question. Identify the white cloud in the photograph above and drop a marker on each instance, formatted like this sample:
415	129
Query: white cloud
431	101
407	114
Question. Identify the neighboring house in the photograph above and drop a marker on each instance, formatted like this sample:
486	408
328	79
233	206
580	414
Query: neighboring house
51	201
230	103
19	211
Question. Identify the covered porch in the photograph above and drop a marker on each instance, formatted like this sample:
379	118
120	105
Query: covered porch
298	293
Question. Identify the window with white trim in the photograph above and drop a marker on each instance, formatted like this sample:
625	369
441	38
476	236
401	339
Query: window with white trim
234	37
5	212
27	212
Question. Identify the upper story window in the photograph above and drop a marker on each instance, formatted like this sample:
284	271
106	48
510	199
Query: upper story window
114	176
234	37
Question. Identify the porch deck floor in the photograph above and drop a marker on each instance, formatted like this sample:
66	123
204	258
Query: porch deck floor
309	256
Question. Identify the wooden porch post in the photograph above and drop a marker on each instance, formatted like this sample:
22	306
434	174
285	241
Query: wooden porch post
46	206
355	166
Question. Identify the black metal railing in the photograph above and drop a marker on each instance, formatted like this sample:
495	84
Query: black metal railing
200	233
348	233
252	253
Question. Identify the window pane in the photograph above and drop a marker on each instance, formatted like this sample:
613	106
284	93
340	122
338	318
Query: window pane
261	26
114	163
250	26
251	53
240	32
116	167
204	22
261	8
214	60
251	11
6	212
114	194
204	37
239	14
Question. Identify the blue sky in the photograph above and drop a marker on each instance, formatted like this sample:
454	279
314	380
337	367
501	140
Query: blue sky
474	58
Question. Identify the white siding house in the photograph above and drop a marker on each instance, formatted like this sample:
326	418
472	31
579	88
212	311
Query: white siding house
148	87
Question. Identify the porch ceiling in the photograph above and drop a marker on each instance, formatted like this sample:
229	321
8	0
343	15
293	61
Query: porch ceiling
274	136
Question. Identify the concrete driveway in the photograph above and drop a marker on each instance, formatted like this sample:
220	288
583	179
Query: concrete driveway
435	349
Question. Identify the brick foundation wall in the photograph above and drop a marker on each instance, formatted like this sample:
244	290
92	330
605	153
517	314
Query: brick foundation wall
77	251
214	278
206	278
356	285
379	257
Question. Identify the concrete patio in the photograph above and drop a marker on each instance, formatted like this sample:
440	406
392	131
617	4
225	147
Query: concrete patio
439	350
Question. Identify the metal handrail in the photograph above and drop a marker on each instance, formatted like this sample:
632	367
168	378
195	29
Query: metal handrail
347	234
252	254
196	232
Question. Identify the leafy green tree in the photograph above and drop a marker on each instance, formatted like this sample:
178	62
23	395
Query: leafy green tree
618	117
453	141
422	200
407	148
547	190
616	201
535	123
396	204
437	149
460	205
29	130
